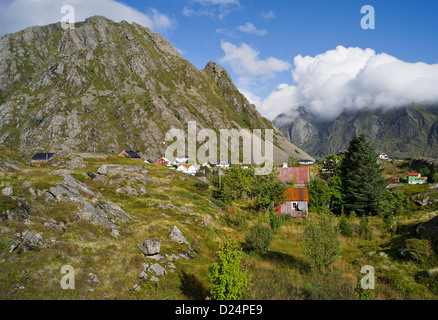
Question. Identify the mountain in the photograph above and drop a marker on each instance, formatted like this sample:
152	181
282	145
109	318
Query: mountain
410	131
107	87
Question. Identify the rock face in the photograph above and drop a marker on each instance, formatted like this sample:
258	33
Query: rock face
112	86
410	131
99	210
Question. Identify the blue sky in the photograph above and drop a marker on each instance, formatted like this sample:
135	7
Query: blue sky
257	41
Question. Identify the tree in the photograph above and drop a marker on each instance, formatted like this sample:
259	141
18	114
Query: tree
362	182
322	245
229	277
268	190
319	195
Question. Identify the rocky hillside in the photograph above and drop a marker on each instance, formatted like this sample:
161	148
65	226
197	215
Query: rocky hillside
108	86
403	132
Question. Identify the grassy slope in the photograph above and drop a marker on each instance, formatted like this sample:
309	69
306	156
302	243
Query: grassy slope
280	273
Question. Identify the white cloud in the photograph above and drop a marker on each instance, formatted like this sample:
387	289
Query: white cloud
352	78
251	28
19	14
246	63
269	15
252	98
211	8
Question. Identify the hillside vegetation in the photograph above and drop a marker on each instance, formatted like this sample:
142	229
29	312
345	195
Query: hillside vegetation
152	200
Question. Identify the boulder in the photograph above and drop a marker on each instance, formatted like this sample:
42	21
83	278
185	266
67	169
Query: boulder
150	247
8	191
176	234
158	269
31	241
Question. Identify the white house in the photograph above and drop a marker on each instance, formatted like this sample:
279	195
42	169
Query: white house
183	168
384	157
194	169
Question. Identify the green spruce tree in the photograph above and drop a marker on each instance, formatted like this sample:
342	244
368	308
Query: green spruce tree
361	176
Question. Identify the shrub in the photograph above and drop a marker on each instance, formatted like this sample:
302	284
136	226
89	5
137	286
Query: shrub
364	229
228	275
419	250
345	227
201	186
322	245
259	238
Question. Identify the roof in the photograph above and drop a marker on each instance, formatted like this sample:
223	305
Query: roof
133	154
297	194
413	174
42	156
423	178
300	173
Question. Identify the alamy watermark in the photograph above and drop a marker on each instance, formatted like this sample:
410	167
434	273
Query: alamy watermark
68	281
255	152
368	282
369	20
68	21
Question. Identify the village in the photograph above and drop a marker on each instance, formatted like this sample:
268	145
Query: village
296	198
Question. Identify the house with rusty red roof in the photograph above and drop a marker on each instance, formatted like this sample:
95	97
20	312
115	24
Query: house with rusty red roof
301	174
296	202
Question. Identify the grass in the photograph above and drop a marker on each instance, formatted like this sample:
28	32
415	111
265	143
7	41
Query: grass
281	272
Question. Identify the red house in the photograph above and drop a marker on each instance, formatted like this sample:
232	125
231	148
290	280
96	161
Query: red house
301	174
295	204
163	162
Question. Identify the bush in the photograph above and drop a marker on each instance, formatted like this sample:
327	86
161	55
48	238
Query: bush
201	186
229	277
345	227
419	250
364	229
259	238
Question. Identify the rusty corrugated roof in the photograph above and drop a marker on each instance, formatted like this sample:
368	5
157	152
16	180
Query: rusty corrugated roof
296	194
300	173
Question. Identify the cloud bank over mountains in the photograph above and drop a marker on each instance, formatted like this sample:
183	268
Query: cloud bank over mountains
352	78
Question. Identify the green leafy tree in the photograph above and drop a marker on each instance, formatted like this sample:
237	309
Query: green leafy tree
322	244
335	185
268	190
361	177
228	275
392	205
319	195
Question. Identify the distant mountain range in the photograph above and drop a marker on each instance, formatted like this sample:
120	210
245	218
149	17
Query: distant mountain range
410	131
108	87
